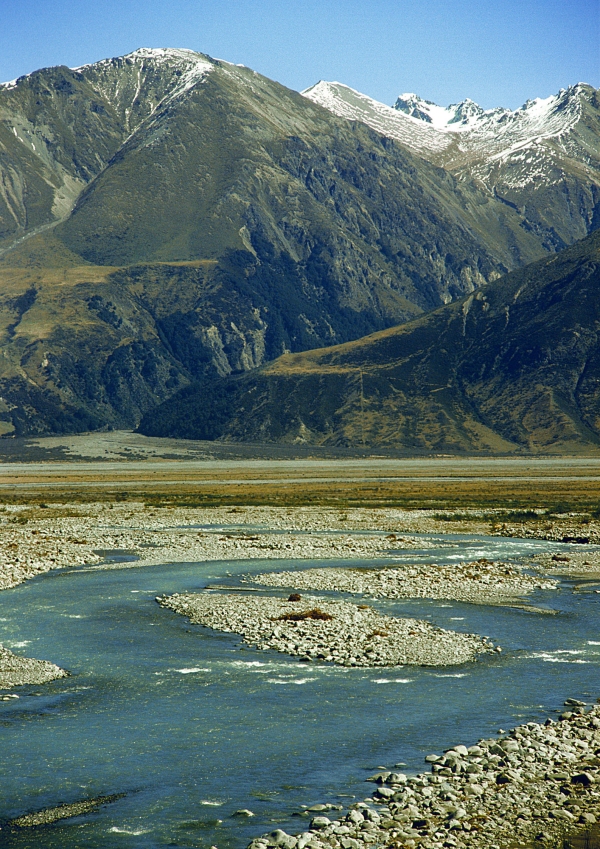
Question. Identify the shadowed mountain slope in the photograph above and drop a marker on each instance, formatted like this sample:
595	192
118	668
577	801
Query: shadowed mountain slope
164	215
514	366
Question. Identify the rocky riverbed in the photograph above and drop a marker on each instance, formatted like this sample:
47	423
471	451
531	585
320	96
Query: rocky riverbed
481	582
534	785
35	538
16	670
314	628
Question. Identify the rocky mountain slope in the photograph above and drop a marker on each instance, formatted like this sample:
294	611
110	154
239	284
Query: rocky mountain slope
543	159
60	127
166	217
514	366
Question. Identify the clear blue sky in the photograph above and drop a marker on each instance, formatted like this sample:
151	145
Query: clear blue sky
498	52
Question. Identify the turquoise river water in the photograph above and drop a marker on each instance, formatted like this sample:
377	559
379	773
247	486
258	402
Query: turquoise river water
191	726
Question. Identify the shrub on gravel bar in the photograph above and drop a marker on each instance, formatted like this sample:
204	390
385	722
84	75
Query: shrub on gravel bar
314	613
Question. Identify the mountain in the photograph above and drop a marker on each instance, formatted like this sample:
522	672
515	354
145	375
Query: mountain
542	160
60	128
514	366
165	215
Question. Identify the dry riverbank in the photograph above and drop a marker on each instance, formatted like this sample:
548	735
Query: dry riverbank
481	582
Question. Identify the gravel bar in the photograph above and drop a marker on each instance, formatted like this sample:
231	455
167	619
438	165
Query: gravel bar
538	783
16	670
35	539
481	582
61	812
333	631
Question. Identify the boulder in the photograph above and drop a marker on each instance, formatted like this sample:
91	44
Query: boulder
385	792
280	838
396	778
460	750
584	778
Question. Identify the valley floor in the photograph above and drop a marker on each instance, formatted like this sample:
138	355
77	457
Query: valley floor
63	508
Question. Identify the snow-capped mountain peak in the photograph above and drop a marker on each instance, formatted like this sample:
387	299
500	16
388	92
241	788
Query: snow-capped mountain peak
187	66
146	81
465	112
505	150
420	135
468	115
172	56
454	118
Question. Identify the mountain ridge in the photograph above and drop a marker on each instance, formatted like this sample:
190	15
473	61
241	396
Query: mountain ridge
531	157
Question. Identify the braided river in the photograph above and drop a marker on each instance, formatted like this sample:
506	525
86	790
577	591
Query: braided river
191	726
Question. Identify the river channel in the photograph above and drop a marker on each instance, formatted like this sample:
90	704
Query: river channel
191	726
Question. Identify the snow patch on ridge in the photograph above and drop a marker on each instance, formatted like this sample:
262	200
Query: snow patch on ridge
348	103
463	135
161	55
194	65
546	116
180	70
460	115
